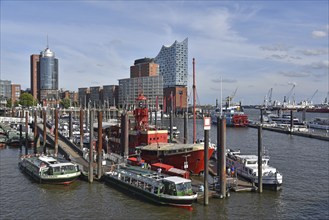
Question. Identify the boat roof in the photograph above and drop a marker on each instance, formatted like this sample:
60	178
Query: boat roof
170	146
47	159
177	179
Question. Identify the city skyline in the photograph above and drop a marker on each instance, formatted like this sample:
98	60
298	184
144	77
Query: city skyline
253	46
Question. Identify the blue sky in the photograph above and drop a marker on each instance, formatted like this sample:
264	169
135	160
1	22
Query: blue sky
251	45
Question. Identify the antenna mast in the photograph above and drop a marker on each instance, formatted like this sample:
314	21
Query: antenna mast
194	101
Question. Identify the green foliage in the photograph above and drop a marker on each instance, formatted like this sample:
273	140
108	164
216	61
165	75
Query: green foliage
66	103
27	100
9	103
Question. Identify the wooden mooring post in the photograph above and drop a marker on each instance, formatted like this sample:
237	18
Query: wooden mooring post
260	159
221	156
56	132
44	131
185	128
26	132
206	170
91	148
35	131
100	145
81	128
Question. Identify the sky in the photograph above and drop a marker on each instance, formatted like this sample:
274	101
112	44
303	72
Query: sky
251	46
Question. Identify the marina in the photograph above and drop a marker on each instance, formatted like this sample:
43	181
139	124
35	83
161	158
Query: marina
296	193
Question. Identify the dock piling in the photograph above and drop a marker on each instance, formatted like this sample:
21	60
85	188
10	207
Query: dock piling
44	131
56	132
221	157
26	131
100	144
185	128
20	136
35	130
206	170
70	126
81	128
260	159
91	148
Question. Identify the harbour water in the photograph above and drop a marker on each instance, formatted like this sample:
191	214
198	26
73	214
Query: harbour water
304	163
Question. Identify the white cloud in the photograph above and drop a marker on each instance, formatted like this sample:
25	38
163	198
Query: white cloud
319	34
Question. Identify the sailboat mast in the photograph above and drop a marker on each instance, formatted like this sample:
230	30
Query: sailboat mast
194	103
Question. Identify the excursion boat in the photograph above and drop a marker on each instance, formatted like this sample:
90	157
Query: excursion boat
246	167
319	123
152	144
153	186
234	115
48	169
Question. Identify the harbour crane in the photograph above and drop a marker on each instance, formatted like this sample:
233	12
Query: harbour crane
268	98
230	98
310	99
286	98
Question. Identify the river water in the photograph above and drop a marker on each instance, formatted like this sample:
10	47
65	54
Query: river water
304	163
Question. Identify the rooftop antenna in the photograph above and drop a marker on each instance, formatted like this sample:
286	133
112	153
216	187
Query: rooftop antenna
47	42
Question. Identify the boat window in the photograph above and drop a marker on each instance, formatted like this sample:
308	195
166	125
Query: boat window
56	169
184	189
169	188
251	162
264	162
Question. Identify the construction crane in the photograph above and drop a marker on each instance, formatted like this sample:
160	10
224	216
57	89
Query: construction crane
310	99
268	98
286	98
230	98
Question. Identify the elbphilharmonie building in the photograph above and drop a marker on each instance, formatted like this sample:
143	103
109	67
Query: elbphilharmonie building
173	64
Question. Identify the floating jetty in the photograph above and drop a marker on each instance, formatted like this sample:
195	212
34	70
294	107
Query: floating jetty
324	137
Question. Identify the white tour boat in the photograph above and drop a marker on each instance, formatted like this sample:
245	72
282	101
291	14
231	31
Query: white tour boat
246	167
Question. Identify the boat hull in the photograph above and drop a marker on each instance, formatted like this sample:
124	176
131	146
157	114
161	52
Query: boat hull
195	159
161	200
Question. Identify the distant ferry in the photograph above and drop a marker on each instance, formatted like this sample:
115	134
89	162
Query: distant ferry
47	169
234	115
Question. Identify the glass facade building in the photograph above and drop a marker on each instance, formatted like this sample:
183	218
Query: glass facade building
48	75
173	64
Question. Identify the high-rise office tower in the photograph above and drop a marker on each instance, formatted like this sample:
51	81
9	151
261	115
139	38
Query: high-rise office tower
35	68
48	75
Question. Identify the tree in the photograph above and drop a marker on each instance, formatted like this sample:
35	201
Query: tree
9	103
27	100
66	103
